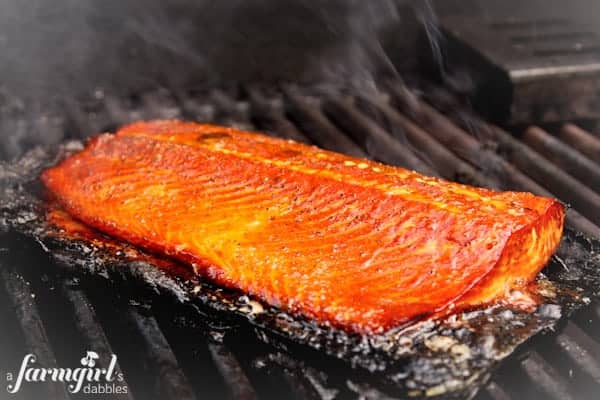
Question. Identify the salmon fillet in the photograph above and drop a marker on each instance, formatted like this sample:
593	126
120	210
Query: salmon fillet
347	242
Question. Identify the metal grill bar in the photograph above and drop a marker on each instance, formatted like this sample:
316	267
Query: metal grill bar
173	383
34	333
229	111
378	143
160	104
569	160
546	378
270	117
495	392
316	126
311	379
581	349
90	328
581	140
89	118
191	108
231	370
444	161
302	387
118	112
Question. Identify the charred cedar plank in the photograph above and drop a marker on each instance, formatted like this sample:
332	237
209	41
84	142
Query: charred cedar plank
354	243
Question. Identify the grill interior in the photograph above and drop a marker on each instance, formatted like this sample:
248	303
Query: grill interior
180	356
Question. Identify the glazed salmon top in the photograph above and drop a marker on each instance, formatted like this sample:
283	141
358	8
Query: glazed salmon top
344	241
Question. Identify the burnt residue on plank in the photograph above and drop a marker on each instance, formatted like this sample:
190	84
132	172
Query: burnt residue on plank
449	358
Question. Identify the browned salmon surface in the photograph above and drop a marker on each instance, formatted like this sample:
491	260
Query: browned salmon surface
344	241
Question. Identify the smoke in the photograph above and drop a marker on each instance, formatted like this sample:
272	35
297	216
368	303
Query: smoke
69	47
65	47
54	54
428	19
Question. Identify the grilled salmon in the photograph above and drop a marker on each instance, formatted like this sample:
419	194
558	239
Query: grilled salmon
343	241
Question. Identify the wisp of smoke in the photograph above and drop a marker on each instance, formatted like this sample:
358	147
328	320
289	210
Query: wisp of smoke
67	47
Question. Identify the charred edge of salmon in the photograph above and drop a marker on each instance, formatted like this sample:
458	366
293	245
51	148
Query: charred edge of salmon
508	271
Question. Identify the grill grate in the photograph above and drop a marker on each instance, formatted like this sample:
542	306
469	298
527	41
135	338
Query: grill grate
394	127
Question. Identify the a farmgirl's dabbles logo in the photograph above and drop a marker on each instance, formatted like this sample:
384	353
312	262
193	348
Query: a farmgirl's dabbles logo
87	378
